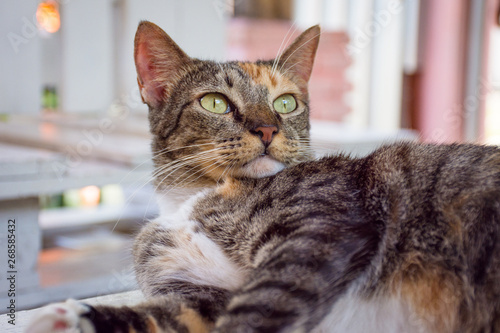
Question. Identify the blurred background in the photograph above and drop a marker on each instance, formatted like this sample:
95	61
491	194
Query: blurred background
74	141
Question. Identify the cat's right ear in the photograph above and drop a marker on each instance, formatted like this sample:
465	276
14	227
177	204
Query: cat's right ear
158	60
298	58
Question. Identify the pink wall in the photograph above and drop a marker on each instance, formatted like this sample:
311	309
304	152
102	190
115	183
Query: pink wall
442	70
442	103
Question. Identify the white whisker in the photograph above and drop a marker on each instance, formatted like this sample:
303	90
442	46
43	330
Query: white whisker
163	151
288	68
280	50
183	183
227	170
173	183
198	159
161	170
298	48
182	160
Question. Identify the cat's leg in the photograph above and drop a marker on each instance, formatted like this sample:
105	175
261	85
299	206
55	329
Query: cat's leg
297	280
192	309
186	276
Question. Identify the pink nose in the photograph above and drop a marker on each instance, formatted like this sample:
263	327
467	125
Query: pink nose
266	133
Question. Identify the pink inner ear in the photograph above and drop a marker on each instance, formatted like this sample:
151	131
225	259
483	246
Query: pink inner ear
151	92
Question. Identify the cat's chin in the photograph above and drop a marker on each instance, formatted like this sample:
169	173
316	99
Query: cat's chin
260	167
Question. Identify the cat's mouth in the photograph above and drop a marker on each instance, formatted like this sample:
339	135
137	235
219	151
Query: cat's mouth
261	166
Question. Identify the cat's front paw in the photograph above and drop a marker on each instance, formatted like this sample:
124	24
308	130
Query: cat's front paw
61	318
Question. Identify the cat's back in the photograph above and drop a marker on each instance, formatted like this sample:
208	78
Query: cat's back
414	180
437	209
440	205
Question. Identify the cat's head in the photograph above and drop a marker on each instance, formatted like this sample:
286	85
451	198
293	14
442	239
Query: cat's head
215	120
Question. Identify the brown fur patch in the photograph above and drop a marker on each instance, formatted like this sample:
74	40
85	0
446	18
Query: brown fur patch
230	189
265	76
182	240
152	325
259	74
193	321
456	224
432	294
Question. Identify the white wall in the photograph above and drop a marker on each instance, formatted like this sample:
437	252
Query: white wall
196	25
95	58
360	14
20	58
87	56
387	65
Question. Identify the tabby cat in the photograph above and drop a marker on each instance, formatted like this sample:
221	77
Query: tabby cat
263	238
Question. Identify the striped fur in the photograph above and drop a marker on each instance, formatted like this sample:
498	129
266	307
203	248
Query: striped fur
403	240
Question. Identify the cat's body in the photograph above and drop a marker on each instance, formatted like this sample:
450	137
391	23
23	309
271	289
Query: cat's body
403	240
410	230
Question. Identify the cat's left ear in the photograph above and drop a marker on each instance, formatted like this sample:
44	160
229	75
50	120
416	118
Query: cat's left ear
298	58
158	60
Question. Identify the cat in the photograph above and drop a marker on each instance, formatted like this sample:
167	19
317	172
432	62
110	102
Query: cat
264	237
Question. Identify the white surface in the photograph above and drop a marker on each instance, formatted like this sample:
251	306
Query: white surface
23	317
87	173
77	145
22	161
71	217
100	239
332	138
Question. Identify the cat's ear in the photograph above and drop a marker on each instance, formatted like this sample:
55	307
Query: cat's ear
158	60
298	58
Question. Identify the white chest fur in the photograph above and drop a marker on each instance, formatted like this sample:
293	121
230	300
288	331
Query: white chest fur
195	258
381	314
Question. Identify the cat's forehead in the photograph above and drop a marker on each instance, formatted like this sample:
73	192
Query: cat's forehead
259	75
268	76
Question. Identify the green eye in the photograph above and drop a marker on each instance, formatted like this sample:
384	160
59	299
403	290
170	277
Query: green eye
215	103
285	103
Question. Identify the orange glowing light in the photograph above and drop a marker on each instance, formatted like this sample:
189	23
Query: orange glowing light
48	131
47	15
90	195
